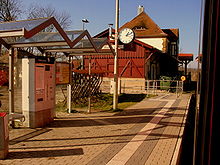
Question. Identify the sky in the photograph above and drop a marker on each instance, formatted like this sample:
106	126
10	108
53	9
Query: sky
182	14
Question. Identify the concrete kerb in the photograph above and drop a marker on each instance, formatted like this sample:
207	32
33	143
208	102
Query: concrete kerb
176	155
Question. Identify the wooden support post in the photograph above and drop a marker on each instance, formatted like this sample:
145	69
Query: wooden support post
69	98
69	87
89	98
11	82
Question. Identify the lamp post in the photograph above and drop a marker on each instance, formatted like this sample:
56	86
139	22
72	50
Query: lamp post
115	84
83	23
83	28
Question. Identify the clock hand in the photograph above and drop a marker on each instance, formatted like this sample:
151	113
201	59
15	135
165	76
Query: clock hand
129	33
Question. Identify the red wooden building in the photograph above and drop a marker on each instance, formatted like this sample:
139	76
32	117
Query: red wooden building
153	52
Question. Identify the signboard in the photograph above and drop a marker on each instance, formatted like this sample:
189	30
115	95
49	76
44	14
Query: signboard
62	73
183	78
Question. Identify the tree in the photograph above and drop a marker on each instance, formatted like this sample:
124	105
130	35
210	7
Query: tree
10	10
38	11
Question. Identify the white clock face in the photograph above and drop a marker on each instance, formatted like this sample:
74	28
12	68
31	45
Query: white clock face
126	35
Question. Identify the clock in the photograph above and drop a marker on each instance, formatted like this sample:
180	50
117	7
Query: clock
126	35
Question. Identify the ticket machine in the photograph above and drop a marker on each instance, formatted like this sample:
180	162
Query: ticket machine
38	90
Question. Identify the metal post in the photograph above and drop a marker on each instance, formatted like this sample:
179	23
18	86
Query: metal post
89	99
185	67
181	87
177	88
198	87
84	21
69	87
115	84
148	86
154	87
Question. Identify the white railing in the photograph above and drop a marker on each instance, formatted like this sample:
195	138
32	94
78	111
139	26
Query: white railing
144	86
161	86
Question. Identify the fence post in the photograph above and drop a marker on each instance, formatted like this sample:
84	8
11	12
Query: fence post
181	87
147	86
177	88
154	86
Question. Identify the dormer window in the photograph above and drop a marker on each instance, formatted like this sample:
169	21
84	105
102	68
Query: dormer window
139	28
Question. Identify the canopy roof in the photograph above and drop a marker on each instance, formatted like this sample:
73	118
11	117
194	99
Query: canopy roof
185	56
28	33
20	28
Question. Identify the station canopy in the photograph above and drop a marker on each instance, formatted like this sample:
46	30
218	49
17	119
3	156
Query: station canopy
184	56
30	33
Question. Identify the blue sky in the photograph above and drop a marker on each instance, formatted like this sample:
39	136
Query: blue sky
182	14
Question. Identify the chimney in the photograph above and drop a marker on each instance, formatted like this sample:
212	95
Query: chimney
140	9
110	30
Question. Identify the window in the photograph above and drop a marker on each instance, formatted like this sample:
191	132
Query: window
173	49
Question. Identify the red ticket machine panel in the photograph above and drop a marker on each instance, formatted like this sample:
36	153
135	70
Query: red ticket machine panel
39	86
44	89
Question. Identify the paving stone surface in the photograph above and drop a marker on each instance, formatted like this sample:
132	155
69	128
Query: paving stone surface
145	133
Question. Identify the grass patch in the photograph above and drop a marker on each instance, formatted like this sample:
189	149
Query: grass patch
104	102
60	107
151	95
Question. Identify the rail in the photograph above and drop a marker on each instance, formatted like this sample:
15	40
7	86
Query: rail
158	86
144	86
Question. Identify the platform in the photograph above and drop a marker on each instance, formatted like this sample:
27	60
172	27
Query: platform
147	133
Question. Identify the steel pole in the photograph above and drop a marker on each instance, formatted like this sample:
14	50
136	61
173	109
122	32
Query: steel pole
115	84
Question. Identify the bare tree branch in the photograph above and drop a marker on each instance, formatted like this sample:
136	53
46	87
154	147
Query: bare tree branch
37	11
10	10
